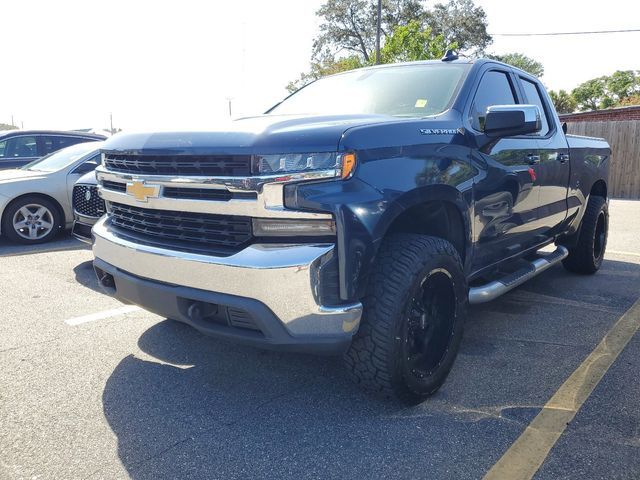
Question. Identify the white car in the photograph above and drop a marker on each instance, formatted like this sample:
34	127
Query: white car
35	200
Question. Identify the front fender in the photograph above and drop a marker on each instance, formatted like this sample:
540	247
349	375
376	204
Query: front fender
366	206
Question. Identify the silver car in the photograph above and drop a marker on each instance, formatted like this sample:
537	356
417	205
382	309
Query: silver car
35	200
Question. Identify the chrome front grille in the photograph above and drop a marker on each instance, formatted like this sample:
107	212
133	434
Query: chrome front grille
183	230
87	202
205	165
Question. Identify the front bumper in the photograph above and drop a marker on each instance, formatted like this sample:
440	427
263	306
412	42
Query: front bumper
277	286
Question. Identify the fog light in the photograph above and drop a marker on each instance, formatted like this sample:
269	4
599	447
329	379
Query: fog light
267	227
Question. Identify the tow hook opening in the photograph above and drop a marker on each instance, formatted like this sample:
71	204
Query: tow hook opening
106	280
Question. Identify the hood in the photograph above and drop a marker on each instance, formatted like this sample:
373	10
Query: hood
263	134
14	175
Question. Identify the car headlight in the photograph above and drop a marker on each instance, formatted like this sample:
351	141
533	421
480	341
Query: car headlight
342	163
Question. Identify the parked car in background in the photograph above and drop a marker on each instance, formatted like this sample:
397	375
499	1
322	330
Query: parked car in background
88	207
19	147
35	200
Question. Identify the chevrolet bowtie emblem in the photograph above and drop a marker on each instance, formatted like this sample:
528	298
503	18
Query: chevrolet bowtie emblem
142	192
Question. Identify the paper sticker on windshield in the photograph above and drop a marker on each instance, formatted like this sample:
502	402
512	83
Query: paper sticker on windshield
421	103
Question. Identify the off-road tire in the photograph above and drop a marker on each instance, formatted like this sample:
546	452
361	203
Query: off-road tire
8	230
375	358
588	252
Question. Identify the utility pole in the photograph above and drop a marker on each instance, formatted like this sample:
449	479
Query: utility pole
12	120
229	103
111	122
378	32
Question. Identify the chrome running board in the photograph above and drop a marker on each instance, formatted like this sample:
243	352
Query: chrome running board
492	290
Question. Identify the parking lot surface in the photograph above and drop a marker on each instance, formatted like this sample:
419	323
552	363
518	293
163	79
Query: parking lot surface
89	389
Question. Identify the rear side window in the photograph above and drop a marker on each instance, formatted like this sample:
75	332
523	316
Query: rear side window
53	144
494	89
534	98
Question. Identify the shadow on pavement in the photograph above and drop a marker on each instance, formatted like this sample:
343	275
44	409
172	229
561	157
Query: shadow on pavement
62	242
189	406
86	276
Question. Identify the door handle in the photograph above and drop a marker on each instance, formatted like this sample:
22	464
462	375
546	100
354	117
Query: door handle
533	159
563	157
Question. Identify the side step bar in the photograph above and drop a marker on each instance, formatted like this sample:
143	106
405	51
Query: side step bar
492	290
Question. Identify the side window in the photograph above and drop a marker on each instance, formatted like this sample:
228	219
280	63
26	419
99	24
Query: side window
534	98
21	147
3	148
63	142
53	144
494	89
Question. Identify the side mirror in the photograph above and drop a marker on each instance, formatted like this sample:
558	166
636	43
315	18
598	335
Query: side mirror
512	120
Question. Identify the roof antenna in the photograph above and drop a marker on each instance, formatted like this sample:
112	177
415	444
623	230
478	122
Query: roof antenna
450	55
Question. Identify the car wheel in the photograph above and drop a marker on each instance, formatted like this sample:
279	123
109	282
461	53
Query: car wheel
587	254
413	318
31	219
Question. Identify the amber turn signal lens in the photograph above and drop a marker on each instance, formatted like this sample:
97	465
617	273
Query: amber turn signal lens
348	164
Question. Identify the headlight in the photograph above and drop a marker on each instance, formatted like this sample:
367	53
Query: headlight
342	163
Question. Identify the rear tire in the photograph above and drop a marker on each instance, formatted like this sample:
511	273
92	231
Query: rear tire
31	219
587	254
413	319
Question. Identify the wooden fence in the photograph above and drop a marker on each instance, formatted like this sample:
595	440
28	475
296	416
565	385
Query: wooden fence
624	138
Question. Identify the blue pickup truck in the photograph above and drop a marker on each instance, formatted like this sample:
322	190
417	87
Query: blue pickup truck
359	216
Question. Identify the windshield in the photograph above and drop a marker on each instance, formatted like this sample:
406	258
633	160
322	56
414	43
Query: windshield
401	91
62	158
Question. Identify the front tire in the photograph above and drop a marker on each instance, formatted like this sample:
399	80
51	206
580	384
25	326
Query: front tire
31	219
413	318
588	253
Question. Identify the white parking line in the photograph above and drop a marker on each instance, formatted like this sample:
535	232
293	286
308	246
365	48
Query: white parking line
102	315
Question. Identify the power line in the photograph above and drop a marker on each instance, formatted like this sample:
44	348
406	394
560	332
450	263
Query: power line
563	33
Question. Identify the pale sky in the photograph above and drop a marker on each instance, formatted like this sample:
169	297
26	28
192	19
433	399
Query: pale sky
173	64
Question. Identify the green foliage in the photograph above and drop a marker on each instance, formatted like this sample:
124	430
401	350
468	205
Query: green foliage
522	62
6	126
347	34
590	95
461	22
563	101
623	84
413	42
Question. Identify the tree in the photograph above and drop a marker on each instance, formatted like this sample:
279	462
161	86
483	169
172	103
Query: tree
563	101
592	95
413	42
623	84
462	22
351	25
6	126
630	101
522	62
348	33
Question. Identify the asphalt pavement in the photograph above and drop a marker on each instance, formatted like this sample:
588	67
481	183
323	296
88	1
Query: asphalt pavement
89	389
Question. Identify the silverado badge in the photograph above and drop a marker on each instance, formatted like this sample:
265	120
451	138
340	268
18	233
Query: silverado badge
142	192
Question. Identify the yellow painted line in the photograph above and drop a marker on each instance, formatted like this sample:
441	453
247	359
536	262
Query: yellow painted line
525	456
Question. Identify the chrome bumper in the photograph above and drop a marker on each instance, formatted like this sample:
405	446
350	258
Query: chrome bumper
282	277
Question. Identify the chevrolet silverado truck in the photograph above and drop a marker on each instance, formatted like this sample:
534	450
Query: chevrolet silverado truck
360	216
